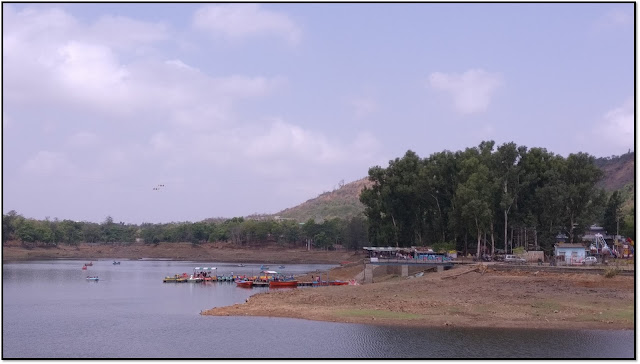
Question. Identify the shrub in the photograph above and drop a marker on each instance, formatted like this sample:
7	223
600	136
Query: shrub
611	272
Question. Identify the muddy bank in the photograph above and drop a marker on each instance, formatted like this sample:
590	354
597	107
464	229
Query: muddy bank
207	252
474	299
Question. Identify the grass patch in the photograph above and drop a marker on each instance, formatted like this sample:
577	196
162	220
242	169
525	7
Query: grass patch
377	314
547	305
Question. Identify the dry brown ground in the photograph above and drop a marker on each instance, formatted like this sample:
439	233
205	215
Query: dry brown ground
489	299
210	252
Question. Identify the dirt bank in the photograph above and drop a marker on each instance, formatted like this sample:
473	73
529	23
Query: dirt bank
490	299
209	252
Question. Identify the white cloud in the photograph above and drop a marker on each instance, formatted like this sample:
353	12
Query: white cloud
471	91
245	20
618	126
54	61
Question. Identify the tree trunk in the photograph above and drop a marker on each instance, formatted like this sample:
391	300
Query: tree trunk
506	249
395	229
479	240
493	242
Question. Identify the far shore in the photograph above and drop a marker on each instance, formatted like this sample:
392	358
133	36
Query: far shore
205	252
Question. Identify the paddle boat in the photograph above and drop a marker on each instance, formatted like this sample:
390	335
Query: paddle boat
263	267
88	264
240	265
84	267
281	267
92	278
177	278
116	263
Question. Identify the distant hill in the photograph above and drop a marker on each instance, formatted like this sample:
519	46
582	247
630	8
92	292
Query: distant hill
618	171
343	203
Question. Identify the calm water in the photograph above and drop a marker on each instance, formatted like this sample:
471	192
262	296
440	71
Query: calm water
51	311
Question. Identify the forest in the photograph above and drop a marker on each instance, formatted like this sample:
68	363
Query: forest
350	233
470	201
486	198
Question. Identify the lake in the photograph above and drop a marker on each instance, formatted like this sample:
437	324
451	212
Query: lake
51	311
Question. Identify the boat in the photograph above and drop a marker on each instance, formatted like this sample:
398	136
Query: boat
281	267
263	267
84	267
92	278
240	265
116	263
244	283
88	264
338	283
177	278
194	279
283	284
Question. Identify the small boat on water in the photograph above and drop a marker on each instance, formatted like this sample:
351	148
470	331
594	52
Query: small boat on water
84	267
92	278
116	263
88	264
240	265
263	267
281	267
177	278
244	283
194	279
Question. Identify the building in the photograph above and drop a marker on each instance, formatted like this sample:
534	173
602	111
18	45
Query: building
567	253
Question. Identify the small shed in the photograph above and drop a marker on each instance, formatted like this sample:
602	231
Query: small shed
568	253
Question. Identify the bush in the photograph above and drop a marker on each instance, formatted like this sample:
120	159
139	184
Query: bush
611	272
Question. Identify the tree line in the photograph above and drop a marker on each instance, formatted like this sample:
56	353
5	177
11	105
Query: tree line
486	198
351	233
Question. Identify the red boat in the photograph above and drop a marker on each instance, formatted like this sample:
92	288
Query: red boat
84	267
338	283
244	284
283	284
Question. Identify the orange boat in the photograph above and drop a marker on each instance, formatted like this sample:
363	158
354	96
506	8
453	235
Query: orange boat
283	284
244	284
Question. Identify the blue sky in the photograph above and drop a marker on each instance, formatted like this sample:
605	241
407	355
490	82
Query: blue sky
253	108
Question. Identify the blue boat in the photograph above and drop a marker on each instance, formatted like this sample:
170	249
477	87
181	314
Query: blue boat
92	278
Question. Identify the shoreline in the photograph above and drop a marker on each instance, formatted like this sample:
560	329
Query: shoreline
206	252
473	300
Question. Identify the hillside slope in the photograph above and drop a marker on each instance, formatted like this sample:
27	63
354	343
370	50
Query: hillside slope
618	171
343	203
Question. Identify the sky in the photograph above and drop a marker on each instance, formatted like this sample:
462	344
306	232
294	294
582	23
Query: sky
239	109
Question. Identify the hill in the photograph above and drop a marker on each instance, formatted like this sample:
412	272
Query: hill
618	171
343	203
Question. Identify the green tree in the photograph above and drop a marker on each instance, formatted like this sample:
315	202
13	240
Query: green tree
612	214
